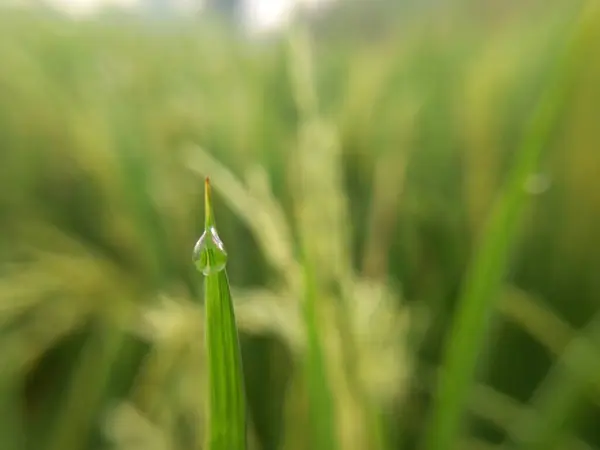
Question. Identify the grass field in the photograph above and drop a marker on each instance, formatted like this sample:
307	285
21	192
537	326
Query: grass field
412	224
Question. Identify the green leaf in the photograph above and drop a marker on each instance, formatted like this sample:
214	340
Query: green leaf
226	398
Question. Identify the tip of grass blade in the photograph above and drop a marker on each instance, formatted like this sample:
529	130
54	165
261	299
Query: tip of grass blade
209	219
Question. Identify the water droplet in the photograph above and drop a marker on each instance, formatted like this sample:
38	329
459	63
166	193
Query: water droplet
210	255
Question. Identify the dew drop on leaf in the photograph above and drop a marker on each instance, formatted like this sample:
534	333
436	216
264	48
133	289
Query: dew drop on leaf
210	256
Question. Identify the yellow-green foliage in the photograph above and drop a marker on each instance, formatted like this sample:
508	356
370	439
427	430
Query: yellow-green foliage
352	183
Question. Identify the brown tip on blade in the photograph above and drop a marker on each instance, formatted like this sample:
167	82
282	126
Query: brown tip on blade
207	189
209	220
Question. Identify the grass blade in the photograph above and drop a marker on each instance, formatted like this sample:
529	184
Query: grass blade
322	405
487	268
322	240
226	399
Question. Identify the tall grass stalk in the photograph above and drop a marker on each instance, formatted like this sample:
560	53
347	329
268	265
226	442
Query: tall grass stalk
486	271
226	399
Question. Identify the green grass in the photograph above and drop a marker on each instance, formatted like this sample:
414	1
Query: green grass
377	201
486	271
226	398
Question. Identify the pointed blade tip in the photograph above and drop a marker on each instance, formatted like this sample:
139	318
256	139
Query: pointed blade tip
209	221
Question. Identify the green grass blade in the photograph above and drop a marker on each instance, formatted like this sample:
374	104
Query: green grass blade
226	399
323	417
486	271
322	406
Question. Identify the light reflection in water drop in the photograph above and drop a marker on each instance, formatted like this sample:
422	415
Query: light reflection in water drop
210	255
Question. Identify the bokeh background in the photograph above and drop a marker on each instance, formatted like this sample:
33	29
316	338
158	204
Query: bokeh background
367	142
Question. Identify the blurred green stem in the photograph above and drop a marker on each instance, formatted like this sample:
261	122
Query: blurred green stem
484	276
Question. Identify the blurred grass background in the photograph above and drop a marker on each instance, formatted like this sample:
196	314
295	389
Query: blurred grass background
355	163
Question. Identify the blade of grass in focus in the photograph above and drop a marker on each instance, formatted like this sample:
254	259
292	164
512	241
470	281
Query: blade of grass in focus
226	400
488	265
